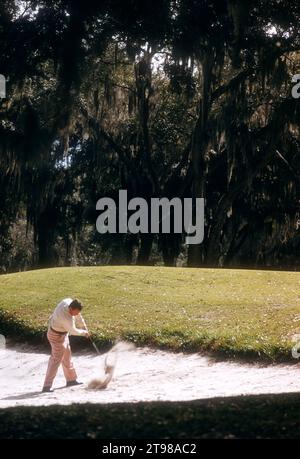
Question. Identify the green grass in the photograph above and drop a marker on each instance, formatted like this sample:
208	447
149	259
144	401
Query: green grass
232	417
236	312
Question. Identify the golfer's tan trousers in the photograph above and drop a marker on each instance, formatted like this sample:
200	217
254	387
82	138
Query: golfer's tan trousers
60	354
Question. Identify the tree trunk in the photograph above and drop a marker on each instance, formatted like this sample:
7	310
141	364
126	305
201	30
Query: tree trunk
170	246
226	202
145	249
45	240
130	244
198	150
143	82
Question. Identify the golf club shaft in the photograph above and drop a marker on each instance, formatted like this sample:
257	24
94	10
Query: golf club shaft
85	326
97	350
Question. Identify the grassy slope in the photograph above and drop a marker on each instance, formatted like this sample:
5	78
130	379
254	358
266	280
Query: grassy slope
243	312
271	416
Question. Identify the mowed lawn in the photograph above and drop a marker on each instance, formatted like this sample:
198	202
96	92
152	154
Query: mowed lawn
237	312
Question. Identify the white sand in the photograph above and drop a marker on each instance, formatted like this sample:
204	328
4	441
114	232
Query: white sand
141	375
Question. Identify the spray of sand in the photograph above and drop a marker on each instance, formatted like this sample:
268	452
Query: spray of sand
110	363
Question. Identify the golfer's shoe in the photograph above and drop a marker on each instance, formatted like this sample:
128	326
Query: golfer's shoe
47	389
73	383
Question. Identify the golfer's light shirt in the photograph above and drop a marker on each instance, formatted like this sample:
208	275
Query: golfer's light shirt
62	321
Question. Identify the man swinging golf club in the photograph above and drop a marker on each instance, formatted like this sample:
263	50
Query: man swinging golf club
61	324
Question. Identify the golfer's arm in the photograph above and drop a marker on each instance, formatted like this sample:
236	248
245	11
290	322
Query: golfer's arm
73	330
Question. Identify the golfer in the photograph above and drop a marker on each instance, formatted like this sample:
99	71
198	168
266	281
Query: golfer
61	324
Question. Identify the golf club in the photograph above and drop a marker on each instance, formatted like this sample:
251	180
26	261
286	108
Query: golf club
85	326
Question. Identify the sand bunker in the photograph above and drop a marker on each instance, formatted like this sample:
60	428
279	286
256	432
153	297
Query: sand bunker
141	374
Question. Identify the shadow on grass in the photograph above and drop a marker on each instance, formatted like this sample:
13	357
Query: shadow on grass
259	416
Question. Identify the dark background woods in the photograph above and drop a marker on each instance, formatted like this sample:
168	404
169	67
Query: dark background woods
162	98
